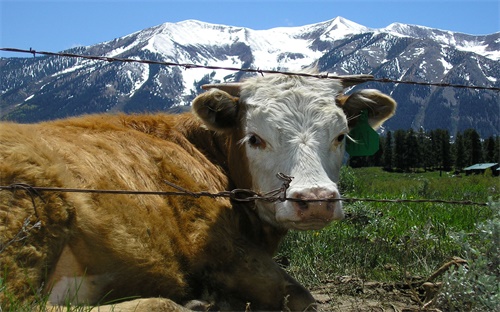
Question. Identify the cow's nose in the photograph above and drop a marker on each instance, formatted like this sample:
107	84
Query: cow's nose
311	202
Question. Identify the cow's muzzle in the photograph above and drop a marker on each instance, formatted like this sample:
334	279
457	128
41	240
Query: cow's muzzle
312	208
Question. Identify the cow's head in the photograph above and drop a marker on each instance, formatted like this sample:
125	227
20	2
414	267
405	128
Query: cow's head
292	125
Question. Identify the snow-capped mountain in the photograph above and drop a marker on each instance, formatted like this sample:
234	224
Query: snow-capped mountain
34	89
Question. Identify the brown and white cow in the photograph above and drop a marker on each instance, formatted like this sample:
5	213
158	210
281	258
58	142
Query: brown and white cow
91	248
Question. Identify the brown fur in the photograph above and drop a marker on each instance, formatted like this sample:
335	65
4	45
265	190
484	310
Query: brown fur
173	247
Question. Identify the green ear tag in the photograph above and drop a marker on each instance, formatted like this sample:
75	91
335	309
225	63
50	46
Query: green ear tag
365	138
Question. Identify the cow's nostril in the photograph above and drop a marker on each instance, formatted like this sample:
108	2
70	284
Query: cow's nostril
311	200
302	205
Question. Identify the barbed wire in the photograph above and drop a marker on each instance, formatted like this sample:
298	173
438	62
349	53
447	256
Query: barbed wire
249	70
239	195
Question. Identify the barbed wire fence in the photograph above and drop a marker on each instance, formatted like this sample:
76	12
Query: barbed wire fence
238	195
248	70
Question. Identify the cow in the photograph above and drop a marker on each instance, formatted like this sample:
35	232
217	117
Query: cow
158	252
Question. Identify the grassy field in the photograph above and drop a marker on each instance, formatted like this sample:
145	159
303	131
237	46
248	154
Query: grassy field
394	241
401	242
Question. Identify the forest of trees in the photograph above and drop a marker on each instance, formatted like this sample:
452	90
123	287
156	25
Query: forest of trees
410	150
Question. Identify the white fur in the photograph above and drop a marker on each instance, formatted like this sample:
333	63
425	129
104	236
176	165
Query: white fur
300	122
78	289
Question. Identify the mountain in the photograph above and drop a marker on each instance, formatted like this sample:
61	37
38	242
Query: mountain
43	88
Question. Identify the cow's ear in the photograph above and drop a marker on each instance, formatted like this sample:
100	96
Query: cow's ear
218	109
380	107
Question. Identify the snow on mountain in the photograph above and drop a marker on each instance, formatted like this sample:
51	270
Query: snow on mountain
35	89
277	48
487	46
269	48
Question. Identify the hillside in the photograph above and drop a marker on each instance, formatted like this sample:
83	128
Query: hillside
43	88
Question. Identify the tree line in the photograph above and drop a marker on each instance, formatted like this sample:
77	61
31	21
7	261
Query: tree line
410	150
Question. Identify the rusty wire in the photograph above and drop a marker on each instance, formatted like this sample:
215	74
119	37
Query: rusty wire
238	195
250	70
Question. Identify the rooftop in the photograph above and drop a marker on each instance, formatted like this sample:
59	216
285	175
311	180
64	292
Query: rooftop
481	166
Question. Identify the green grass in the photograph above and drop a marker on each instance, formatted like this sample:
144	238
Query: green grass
392	241
39	303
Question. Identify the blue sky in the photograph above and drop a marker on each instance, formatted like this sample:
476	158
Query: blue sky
61	24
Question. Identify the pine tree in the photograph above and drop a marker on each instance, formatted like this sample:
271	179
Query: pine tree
473	147
434	150
398	159
489	150
496	155
426	149
446	161
387	157
422	153
459	152
411	158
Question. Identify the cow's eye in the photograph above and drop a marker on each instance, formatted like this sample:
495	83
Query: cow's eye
256	141
339	139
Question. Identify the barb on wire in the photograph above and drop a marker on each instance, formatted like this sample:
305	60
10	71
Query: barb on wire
181	189
240	195
33	193
282	190
250	70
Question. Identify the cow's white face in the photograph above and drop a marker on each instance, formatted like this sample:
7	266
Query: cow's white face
296	126
297	129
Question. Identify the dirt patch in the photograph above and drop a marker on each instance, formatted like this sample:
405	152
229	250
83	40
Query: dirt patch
348	294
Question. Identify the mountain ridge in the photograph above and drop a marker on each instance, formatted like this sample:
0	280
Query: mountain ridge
46	88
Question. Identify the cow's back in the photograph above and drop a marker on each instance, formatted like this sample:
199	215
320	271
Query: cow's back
123	239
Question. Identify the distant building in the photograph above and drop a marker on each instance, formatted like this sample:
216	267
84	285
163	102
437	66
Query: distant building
481	168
